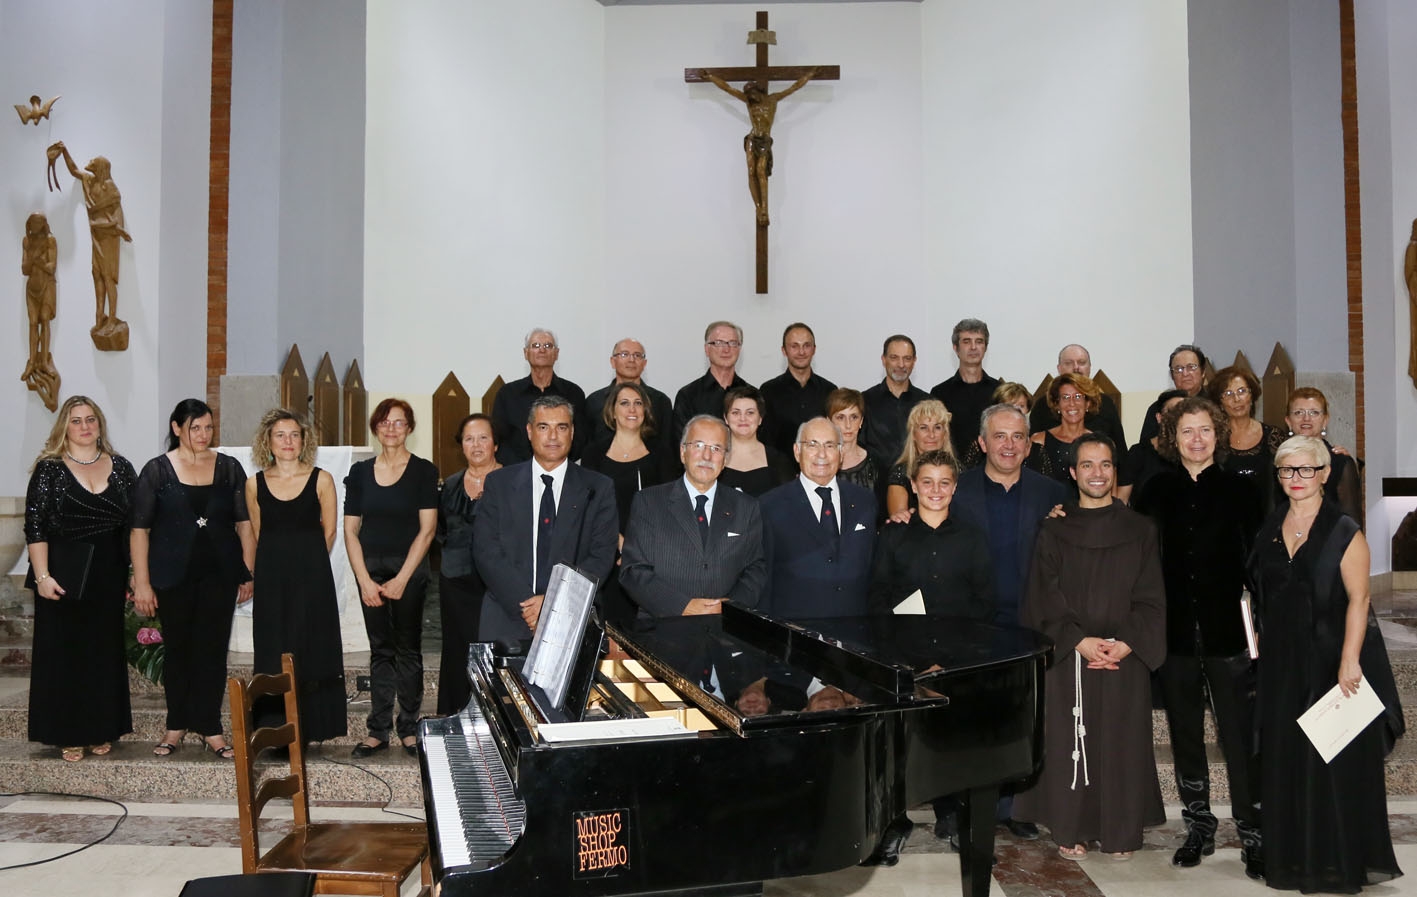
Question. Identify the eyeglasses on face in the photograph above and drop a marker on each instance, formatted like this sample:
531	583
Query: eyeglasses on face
638	356
1071	397
1186	368
700	446
393	423
1243	392
1305	473
1306	412
723	343
539	346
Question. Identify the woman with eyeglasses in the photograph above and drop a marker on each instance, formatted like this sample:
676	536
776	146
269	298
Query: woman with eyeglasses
390	517
753	467
1252	442
1206	518
1308	416
1072	397
928	430
1326	824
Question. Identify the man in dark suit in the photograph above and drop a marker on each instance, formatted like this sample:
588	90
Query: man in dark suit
819	533
690	545
1009	502
537	514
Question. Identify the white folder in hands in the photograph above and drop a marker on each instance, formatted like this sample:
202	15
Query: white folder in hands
914	603
1334	720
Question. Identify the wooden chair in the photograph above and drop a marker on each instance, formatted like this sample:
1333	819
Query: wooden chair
346	857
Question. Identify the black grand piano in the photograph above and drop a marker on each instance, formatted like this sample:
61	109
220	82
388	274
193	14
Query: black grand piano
719	752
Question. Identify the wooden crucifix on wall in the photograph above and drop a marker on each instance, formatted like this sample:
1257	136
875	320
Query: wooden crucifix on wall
762	109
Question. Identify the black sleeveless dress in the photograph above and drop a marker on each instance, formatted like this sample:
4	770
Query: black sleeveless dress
296	610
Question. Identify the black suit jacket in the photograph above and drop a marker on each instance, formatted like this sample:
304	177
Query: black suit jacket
665	563
809	573
585	535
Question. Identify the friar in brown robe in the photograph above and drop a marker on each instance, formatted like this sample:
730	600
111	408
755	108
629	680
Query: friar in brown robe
1095	589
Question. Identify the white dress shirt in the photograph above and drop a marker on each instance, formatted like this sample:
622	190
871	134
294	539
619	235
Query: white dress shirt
694	493
815	500
558	480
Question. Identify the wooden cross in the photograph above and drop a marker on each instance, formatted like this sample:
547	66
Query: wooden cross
762	107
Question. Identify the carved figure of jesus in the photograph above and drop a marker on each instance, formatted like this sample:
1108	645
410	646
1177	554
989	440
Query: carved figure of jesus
757	143
39	255
104	205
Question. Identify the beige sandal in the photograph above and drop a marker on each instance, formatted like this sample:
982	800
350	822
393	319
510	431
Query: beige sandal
1077	853
72	754
99	750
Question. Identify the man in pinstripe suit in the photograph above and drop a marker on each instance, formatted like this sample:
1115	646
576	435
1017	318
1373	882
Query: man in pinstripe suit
689	545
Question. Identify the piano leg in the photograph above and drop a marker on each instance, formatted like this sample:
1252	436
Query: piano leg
976	840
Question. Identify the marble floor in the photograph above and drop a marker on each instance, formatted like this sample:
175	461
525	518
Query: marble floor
158	847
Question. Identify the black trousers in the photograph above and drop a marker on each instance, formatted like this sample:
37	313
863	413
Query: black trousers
196	630
460	607
395	631
1229	685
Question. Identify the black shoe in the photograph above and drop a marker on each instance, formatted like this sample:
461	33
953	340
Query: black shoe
887	853
362	750
1197	845
946	828
411	749
1024	831
1253	859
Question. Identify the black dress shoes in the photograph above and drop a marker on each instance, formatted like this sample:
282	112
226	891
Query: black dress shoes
887	853
1024	831
362	750
1254	862
1198	844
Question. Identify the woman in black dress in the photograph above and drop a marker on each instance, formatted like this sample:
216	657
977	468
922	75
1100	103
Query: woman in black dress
1326	824
390	517
847	409
77	502
294	510
192	552
1072	397
1252	442
927	430
460	589
1308	416
633	456
753	466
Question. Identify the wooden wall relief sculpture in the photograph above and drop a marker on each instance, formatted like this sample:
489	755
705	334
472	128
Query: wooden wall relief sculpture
356	407
36	110
762	109
450	405
490	396
1108	388
1409	274
38	258
327	401
1242	362
104	205
295	385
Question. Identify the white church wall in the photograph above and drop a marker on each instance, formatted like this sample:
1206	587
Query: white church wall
1057	183
484	189
128	74
915	191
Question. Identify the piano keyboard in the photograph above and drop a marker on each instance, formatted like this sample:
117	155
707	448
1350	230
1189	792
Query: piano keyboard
475	808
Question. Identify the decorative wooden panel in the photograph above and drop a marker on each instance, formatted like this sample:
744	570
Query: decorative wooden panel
1041	393
295	385
1278	383
327	401
356	407
490	395
451	404
1243	363
1108	388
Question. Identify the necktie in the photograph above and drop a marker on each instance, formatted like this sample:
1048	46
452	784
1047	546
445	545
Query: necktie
545	523
828	518
701	512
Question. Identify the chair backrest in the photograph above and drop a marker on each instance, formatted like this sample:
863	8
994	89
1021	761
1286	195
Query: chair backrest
252	798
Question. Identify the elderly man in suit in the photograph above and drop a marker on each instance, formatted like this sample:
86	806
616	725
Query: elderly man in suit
690	545
537	514
819	533
1008	502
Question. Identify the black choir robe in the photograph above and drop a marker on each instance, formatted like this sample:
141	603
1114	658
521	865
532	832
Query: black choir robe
1097	572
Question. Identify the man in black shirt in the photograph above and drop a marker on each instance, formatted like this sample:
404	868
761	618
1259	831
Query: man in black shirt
723	340
970	390
513	402
888	403
799	393
628	360
1074	359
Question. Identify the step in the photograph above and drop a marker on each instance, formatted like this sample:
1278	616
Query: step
131	772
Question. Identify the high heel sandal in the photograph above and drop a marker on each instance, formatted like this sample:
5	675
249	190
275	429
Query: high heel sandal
99	750
225	751
72	754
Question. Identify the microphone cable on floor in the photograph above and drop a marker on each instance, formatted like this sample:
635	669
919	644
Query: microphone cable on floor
82	847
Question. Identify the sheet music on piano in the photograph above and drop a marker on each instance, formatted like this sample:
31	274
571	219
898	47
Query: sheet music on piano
570	595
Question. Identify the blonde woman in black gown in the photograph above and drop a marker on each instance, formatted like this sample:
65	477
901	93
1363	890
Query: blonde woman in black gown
78	497
294	511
